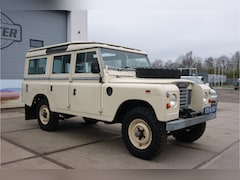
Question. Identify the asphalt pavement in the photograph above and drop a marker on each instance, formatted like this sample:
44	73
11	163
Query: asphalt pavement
76	145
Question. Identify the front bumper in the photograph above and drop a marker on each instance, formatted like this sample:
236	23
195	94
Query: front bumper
184	123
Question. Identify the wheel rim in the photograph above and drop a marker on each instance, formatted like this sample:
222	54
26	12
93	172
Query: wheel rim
140	134
44	114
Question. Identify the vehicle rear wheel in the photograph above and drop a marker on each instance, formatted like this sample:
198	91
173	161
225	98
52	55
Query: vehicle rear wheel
142	134
190	134
47	120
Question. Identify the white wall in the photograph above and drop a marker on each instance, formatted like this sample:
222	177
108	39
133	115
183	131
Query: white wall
77	25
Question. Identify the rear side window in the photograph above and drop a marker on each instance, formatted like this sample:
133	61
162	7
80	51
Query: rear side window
37	66
61	64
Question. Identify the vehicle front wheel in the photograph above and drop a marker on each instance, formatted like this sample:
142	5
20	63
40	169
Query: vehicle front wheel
142	134
47	120
190	134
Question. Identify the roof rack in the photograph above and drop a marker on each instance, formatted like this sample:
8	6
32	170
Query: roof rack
56	49
63	46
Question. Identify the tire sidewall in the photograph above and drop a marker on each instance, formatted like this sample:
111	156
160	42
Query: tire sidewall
52	121
148	117
191	134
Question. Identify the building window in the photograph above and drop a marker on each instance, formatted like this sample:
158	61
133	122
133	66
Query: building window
36	43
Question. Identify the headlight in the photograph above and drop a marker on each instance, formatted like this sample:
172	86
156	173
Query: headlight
205	97
173	100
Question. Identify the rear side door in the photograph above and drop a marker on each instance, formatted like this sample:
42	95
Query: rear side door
59	81
85	87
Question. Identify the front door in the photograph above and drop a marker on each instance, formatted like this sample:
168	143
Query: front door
85	88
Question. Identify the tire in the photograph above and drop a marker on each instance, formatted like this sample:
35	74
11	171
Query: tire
47	120
142	134
90	121
191	134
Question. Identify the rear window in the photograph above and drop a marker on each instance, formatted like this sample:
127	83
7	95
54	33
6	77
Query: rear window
37	66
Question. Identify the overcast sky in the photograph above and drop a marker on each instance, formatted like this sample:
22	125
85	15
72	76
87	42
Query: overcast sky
168	29
165	29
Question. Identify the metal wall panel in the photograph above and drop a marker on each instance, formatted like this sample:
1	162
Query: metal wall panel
18	27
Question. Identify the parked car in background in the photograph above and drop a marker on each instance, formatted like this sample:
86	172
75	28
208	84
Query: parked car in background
195	79
237	84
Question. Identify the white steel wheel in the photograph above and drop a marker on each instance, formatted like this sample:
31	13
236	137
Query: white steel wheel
47	120
44	114
140	134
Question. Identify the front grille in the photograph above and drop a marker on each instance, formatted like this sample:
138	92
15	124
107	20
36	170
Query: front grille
185	95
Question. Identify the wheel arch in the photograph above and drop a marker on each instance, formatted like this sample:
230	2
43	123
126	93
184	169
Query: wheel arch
31	111
130	104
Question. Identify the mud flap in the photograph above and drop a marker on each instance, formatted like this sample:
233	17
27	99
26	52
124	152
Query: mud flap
30	113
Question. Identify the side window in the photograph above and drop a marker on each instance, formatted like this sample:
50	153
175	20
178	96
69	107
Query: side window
61	64
37	66
84	62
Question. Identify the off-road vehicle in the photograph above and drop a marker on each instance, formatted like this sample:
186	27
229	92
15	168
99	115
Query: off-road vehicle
114	84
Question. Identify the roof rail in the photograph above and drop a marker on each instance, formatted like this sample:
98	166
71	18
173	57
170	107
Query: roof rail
56	49
63	46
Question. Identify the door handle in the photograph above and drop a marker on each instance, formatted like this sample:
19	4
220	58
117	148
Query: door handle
74	92
51	88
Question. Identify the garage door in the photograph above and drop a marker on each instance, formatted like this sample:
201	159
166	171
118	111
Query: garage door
21	30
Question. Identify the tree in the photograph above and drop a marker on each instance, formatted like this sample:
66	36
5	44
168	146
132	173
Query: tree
197	63
209	65
171	65
235	61
221	65
158	63
188	60
223	62
179	61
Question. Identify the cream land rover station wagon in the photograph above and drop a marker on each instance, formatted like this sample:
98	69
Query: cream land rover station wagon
114	84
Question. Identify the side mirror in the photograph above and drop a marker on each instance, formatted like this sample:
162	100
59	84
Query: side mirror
95	67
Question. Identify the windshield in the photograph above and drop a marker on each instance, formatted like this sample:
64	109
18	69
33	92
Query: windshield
193	78
123	60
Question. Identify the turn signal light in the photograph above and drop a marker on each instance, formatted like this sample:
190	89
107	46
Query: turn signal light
168	105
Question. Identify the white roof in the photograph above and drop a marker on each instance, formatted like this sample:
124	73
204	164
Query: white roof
77	45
